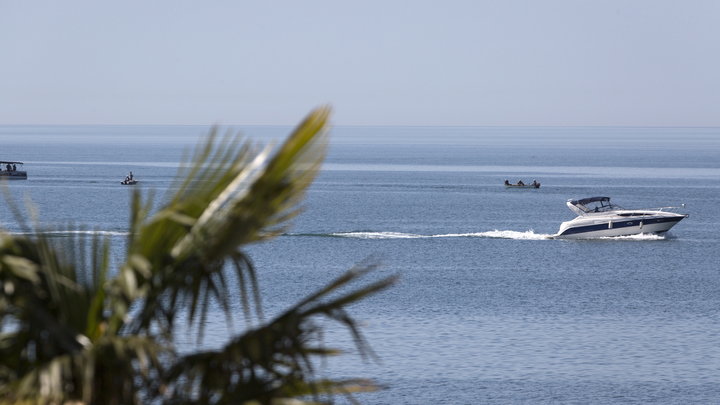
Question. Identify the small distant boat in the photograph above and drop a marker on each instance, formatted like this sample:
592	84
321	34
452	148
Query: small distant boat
10	172
520	184
129	181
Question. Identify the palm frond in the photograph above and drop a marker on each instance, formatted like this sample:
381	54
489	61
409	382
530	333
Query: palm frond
57	311
232	194
275	360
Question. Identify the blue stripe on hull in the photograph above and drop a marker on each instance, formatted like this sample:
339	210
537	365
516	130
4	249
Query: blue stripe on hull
617	225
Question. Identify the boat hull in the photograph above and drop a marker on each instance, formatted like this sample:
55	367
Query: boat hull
128	183
588	228
525	186
16	175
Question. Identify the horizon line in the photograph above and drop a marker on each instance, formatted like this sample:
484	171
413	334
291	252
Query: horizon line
362	126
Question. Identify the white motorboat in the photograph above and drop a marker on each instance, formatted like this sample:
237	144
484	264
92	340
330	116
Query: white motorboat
9	171
597	217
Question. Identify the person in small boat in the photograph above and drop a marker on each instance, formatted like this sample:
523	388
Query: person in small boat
127	179
8	167
131	176
507	183
534	182
520	183
14	168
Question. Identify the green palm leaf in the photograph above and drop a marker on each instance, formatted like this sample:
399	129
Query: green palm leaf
57	308
276	360
233	194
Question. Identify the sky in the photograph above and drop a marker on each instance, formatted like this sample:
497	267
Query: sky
410	63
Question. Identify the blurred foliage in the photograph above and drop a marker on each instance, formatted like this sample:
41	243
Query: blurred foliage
73	335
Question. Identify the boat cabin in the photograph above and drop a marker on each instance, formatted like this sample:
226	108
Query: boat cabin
592	204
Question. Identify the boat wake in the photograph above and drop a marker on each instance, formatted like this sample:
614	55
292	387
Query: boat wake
496	234
528	235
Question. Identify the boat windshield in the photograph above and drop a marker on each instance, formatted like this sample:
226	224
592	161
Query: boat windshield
595	204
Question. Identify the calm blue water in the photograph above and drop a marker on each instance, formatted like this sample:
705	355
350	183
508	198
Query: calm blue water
487	310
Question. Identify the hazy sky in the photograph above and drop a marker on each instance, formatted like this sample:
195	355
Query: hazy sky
487	63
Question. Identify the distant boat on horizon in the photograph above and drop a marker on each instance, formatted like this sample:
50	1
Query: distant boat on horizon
520	184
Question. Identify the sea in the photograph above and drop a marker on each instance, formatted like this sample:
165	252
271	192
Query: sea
488	309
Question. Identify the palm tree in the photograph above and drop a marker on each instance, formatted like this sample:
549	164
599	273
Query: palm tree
73	331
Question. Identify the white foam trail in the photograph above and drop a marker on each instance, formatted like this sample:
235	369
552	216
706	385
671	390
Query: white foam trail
528	235
378	235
